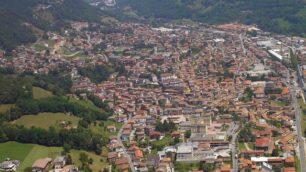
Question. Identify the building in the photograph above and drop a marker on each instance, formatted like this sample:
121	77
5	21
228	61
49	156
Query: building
41	165
59	163
189	152
9	165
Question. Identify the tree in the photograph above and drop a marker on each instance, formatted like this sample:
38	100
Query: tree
97	73
245	135
83	158
187	134
207	167
165	126
176	140
235	117
275	152
66	148
69	159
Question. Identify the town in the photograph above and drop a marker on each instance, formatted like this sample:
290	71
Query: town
187	96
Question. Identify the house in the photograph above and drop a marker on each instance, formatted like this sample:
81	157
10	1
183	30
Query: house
70	168
121	118
262	143
9	165
111	128
112	157
152	161
41	165
249	153
141	167
175	134
125	135
225	168
165	166
122	164
184	152
59	163
289	169
155	135
289	161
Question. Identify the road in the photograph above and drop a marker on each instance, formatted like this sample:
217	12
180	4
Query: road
124	150
298	115
232	131
242	44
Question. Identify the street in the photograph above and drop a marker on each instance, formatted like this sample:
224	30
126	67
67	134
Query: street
232	131
298	114
124	150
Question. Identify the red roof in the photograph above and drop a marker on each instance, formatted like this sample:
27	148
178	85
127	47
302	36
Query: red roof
155	133
262	142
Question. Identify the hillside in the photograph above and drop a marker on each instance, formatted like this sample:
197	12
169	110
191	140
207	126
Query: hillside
19	18
280	16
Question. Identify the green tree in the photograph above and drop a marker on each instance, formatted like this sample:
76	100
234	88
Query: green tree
187	134
66	148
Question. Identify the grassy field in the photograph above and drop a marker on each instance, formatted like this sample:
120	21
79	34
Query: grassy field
28	153
159	144
87	104
297	163
183	167
39	93
303	117
5	107
279	103
99	162
40	47
101	129
242	146
46	120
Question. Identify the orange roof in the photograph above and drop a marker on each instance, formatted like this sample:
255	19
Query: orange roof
285	90
304	72
262	142
138	153
42	163
289	169
289	159
225	168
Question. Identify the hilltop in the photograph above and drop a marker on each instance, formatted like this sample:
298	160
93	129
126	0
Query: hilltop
281	16
23	20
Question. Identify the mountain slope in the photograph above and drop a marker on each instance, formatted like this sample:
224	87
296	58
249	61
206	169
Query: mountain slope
282	16
17	17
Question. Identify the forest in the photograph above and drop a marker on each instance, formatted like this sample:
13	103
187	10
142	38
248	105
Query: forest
96	73
19	18
281	16
17	90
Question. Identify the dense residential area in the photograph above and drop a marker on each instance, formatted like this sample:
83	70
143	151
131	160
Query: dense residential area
126	96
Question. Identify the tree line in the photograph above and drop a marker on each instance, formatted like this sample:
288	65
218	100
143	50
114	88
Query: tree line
79	138
281	16
53	104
